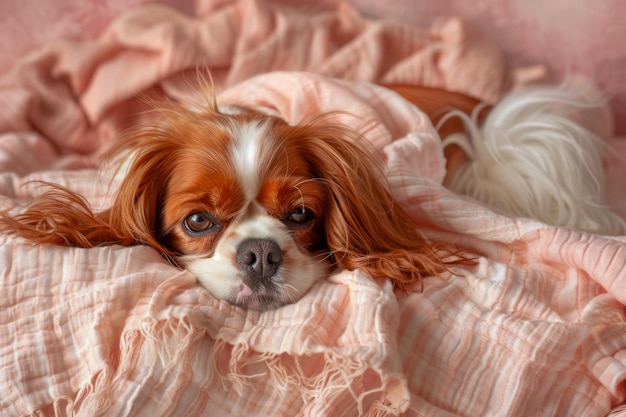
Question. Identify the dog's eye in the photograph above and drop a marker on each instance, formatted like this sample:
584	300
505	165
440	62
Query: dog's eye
300	216
199	222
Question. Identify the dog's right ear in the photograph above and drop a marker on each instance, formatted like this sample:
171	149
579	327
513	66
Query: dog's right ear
135	212
61	216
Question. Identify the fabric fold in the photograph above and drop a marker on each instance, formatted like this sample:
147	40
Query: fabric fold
534	328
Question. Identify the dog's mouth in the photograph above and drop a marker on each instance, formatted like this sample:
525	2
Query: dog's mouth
260	299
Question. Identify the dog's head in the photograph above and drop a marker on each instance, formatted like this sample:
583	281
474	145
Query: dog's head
255	208
258	209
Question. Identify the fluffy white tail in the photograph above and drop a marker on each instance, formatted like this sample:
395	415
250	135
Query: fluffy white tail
531	159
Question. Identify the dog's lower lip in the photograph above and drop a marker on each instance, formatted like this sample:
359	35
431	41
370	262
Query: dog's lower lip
246	291
251	300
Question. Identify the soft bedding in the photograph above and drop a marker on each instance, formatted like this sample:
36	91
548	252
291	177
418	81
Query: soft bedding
536	328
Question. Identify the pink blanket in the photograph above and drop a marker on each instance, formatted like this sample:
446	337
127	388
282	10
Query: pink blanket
536	328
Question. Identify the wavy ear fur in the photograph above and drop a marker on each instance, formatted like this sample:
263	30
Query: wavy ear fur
365	228
62	217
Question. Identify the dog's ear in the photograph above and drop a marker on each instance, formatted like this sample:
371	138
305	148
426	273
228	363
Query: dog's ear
149	155
62	217
155	151
365	228
135	212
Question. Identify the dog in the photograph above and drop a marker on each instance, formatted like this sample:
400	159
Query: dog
257	209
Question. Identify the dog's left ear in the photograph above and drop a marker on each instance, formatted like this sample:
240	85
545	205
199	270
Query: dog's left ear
365	227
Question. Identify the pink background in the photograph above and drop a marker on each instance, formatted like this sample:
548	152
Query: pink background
574	35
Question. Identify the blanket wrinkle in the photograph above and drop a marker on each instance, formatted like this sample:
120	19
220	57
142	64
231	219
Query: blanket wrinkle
535	328
597	258
529	356
241	355
151	44
35	100
488	65
618	412
242	367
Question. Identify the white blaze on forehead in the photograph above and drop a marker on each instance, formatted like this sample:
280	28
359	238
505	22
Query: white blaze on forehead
251	148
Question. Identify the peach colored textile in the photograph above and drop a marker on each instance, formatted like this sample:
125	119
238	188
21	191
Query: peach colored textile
537	328
564	35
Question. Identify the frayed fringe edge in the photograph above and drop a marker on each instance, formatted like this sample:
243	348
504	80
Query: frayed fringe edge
339	375
230	367
168	344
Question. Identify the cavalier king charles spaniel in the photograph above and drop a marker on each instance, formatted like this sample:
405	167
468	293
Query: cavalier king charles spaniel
258	209
255	208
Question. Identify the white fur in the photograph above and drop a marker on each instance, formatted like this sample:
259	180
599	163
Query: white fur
531	159
221	275
250	143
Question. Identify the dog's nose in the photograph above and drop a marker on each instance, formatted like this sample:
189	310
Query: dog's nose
259	258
